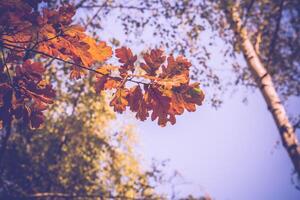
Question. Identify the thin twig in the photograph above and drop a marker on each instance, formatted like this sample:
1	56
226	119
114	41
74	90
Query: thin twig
5	65
10	47
124	7
95	15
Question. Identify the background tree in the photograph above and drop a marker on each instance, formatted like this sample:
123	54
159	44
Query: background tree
270	26
76	154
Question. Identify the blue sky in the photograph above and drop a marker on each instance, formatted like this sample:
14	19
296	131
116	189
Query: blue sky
231	153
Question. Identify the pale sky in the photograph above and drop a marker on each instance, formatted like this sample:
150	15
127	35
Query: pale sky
229	153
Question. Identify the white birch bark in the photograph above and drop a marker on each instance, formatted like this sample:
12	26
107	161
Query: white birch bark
266	86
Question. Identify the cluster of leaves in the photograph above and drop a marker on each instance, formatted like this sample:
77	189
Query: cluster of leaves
25	94
25	32
29	31
165	87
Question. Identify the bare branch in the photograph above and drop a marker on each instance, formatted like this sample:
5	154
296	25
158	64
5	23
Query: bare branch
95	15
141	9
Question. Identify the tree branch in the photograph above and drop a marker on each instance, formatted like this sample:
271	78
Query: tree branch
11	47
79	5
141	9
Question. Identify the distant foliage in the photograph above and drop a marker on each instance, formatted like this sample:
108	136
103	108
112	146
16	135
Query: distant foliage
77	155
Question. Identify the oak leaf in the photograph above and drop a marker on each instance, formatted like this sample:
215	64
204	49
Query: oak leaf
175	81
137	103
126	58
180	65
153	60
103	79
119	101
159	104
187	97
99	52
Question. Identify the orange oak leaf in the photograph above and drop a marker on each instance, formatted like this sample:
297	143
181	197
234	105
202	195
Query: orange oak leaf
126	58
104	81
99	52
73	44
137	103
175	81
193	95
153	60
187	97
119	101
180	65
159	104
105	69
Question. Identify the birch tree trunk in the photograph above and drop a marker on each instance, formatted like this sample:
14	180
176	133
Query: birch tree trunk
266	86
